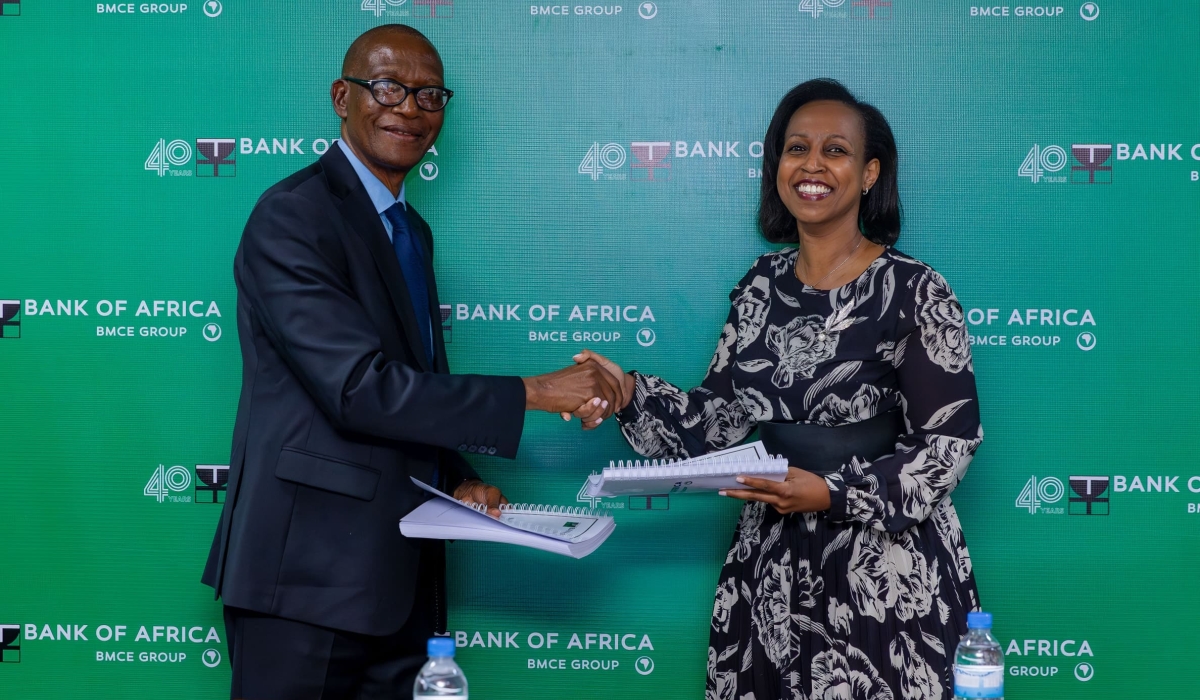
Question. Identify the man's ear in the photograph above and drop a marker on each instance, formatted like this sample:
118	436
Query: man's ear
338	93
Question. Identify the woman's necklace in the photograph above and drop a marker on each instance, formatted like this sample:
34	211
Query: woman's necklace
796	268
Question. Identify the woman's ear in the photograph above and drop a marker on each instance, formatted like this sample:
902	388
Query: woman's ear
871	174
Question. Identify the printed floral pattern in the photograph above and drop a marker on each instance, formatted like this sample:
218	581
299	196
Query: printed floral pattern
834	410
801	345
866	600
943	333
752	306
847	676
720	358
747	532
727	597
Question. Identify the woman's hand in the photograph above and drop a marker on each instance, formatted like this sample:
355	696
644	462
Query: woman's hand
800	492
591	414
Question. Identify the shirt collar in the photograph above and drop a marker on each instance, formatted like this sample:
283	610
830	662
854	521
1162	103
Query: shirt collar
380	195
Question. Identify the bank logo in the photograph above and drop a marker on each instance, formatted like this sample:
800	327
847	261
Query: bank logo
1085	341
166	156
871	9
380	7
646	337
446	310
656	501
10	644
859	9
600	159
10	318
431	8
213	8
428	171
644	665
1039	492
165	482
1089	495
10	8
1084	672
647	10
651	155
211	480
211	332
1089	11
215	158
1089	167
211	658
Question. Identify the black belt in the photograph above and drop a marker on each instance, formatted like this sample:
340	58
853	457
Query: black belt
823	449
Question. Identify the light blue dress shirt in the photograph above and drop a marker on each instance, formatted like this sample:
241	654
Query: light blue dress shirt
380	195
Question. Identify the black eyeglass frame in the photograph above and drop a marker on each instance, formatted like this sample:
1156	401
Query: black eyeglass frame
370	86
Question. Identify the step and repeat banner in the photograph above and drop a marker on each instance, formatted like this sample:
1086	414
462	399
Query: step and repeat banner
596	186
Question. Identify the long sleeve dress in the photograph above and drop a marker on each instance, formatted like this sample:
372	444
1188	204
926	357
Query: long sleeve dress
865	601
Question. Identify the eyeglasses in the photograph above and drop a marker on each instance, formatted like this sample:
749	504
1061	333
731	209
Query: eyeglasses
389	93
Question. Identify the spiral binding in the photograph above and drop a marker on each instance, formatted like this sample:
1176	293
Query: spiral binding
541	509
649	469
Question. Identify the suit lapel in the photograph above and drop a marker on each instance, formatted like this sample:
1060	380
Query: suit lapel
441	364
356	206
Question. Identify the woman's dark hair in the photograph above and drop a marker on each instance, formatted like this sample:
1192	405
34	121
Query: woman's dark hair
879	211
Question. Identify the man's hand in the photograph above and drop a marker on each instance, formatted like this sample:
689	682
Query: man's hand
589	413
571	387
800	492
475	491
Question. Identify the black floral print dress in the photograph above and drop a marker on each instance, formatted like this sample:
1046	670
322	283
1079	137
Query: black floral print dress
866	601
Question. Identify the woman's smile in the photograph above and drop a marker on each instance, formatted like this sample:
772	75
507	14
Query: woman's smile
813	190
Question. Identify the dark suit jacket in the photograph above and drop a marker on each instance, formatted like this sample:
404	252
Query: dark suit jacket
339	406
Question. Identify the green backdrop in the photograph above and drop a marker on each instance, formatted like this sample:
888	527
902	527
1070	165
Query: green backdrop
602	157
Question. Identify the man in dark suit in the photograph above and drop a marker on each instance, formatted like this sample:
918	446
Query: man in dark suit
345	395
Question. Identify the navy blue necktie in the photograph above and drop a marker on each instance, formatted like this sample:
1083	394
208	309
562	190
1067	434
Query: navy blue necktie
412	264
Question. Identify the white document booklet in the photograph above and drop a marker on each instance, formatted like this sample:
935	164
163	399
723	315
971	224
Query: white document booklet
572	532
710	472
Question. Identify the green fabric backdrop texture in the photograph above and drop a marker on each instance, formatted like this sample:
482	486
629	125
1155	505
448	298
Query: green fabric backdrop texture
595	186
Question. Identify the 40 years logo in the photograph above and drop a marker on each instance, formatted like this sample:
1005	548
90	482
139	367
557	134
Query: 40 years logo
170	157
165	482
1038	493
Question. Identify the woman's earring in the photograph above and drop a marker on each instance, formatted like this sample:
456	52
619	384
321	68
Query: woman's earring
866	190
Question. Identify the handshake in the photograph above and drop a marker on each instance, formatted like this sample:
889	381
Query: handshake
592	389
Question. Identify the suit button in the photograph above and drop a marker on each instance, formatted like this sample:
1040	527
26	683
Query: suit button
491	450
472	449
462	447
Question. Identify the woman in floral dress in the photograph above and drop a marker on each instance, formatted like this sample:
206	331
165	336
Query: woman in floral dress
855	585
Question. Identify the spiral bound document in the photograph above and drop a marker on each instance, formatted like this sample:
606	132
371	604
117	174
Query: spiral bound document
710	472
567	530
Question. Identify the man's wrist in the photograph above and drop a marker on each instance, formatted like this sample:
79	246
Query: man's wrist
532	393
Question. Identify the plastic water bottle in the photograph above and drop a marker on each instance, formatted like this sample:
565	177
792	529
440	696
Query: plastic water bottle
978	661
440	677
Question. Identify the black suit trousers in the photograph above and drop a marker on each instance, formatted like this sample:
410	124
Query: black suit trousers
279	659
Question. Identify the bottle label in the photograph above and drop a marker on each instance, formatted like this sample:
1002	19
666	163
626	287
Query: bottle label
979	681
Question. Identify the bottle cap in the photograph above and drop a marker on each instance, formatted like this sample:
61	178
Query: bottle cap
979	620
440	646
